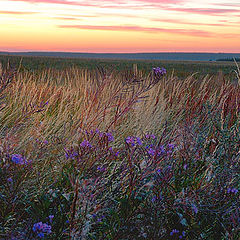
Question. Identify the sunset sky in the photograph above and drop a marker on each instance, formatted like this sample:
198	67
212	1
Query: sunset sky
120	25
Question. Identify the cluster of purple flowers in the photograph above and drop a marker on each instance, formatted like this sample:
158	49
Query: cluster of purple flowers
41	229
110	137
86	144
232	190
70	154
150	136
175	231
19	159
170	147
159	71
108	134
133	141
159	150
152	150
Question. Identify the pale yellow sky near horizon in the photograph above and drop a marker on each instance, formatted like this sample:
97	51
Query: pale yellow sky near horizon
120	25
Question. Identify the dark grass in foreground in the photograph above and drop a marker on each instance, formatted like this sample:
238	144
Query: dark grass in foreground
118	155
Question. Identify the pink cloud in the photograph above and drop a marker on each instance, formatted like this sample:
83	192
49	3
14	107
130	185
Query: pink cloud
162	1
178	21
143	4
65	2
97	3
191	32
228	4
67	18
16	13
207	11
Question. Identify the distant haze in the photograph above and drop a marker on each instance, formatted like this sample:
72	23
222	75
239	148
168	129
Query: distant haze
150	56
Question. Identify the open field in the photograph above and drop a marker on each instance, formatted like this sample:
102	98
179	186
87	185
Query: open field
181	69
119	152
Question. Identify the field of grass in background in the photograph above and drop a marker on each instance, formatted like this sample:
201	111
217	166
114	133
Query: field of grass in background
118	153
181	69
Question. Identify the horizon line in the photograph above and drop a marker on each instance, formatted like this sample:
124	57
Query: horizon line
39	51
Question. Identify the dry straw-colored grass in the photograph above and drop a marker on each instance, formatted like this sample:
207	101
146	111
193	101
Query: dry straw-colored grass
129	103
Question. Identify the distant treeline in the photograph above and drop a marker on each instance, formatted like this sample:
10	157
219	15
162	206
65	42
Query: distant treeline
228	59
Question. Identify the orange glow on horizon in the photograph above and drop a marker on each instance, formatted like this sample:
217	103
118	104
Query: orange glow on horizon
120	26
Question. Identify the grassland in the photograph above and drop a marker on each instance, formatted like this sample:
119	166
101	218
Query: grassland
181	69
119	153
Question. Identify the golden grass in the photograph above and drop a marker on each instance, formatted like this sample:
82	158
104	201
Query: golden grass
129	103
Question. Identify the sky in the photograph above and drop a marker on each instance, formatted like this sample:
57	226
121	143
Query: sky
120	26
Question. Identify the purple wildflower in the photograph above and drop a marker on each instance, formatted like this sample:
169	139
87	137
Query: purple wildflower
42	228
149	146
97	131
171	146
195	209
161	150
185	166
70	154
41	235
159	71
130	141
133	141
10	180
100	219
85	143
232	190
151	151
101	169
148	136
19	159
173	232
51	218
138	140
154	199
110	137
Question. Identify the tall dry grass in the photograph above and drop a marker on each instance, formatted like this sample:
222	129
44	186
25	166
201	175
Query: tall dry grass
60	103
191	169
